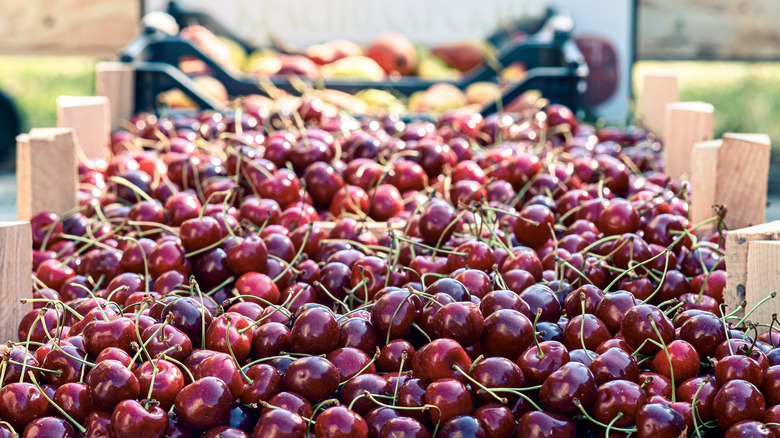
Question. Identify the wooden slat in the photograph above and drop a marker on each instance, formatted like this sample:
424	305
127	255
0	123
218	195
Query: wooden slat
685	123
737	248
46	172
15	276
657	91
704	170
116	81
67	27
90	118
763	278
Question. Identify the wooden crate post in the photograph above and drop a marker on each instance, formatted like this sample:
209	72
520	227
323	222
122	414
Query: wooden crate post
90	118
657	91
46	172
15	276
738	243
685	123
733	172
116	81
763	278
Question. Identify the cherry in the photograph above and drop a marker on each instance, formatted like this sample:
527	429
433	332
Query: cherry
161	339
451	397
749	428
339	421
737	400
393	314
614	364
705	397
49	427
507	333
539	361
478	256
292	402
224	432
451	287
618	218
401	426
204	403
350	362
541	297
496	372
772	415
436	222
21	403
438	359
463	425
168	381
65	359
230	327
169	255
503	299
739	367
313	377
358	333
497	420
534	225
705	332
280	423
658	420
189	316
585	330
539	424
98	424
110	382
353	389
562	386
460	321
637	328
131	419
315	331
395	356
74	399
615	398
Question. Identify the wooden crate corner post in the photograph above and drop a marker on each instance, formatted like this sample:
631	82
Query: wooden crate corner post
116	81
658	89
732	172
46	172
685	123
763	279
90	118
15	276
738	248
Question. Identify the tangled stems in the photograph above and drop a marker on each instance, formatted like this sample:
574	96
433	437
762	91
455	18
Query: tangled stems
577	403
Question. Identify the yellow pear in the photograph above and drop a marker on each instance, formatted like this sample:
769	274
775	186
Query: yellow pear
264	63
380	100
237	54
438	98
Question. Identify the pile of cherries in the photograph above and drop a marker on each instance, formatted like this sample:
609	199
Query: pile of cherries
290	274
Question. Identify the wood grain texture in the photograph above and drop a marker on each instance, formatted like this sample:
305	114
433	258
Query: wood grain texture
46	172
67	27
685	123
743	177
763	278
15	276
90	118
657	90
116	82
704	170
737	248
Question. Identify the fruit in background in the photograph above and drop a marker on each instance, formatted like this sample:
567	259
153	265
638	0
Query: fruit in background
437	98
209	43
237	54
340	99
431	67
176	99
212	87
331	51
482	93
515	72
462	56
393	52
380	101
263	62
524	102
298	65
354	67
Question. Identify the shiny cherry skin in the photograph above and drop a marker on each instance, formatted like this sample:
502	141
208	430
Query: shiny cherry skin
614	364
738	400
315	331
572	380
21	403
110	382
496	372
539	361
438	359
339	421
280	423
507	333
618	396
655	420
203	404
313	377
539	424
131	419
451	397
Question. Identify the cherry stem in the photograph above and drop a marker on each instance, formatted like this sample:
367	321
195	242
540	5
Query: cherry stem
419	329
365	367
404	356
230	349
265	404
46	396
94	298
32	367
582	326
194	285
539	352
769	297
695	408
666	351
325	290
408	408
37	318
608	426
141	343
180	365
666	251
501	400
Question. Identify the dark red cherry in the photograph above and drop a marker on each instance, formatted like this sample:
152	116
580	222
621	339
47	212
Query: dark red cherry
338	422
507	333
110	382
658	420
313	377
21	403
204	403
737	400
539	424
280	423
451	397
618	397
315	331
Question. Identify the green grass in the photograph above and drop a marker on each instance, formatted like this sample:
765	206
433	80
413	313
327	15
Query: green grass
34	83
745	97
